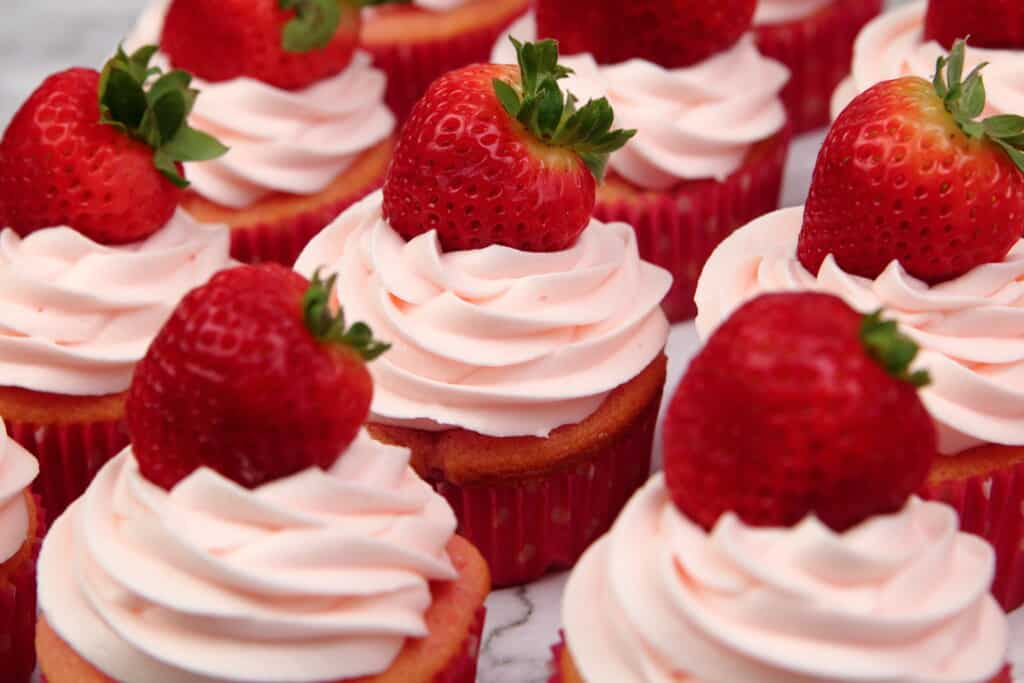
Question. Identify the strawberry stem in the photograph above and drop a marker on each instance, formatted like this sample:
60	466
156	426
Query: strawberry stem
551	115
892	349
156	113
328	327
316	22
965	100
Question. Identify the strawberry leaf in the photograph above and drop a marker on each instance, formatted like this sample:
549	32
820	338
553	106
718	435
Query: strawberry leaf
314	24
893	350
330	327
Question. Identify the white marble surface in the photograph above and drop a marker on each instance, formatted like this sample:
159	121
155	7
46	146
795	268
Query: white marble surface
40	37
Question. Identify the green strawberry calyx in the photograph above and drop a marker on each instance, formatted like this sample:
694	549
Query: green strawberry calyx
330	327
893	350
153	107
316	21
965	100
551	115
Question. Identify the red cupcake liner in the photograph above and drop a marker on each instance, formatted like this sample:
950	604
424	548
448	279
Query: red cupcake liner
990	506
679	228
282	241
818	51
556	659
18	615
525	528
462	667
69	456
412	67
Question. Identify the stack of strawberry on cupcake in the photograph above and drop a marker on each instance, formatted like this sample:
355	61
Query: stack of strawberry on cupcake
713	135
918	207
94	254
527	367
299	104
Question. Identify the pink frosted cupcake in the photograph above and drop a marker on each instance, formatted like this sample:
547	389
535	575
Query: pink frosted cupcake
21	533
708	156
300	151
814	39
782	542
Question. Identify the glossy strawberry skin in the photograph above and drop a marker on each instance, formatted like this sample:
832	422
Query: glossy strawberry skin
243	38
462	166
236	382
784	414
896	179
996	24
672	33
59	166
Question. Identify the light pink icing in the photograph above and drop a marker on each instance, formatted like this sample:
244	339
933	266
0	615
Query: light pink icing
77	315
782	11
970	330
893	45
901	598
320	576
296	142
18	469
498	341
694	123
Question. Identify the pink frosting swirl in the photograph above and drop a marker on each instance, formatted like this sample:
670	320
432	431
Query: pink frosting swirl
970	330
319	576
694	123
782	11
893	45
498	341
18	469
901	598
77	315
295	142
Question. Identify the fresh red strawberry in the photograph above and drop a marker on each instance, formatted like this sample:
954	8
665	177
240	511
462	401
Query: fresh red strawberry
989	23
498	155
253	377
798	405
101	153
290	44
672	33
907	174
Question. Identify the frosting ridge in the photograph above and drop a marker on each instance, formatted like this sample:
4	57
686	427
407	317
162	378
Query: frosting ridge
319	576
494	340
900	598
18	469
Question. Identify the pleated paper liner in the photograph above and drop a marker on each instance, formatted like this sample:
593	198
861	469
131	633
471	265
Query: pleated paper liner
412	66
462	668
818	51
679	228
69	456
18	612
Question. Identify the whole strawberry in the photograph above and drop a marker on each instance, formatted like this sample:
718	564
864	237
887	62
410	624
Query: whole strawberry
499	155
798	405
253	377
907	174
101	153
997	24
290	44
672	33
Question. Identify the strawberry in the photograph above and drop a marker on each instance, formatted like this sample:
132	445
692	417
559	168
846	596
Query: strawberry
672	33
799	405
101	153
997	24
498	155
290	44
908	174
253	377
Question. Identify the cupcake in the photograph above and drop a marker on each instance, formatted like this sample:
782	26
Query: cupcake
300	107
419	41
528	365
712	138
814	39
927	224
94	254
21	532
782	543
908	40
253	531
